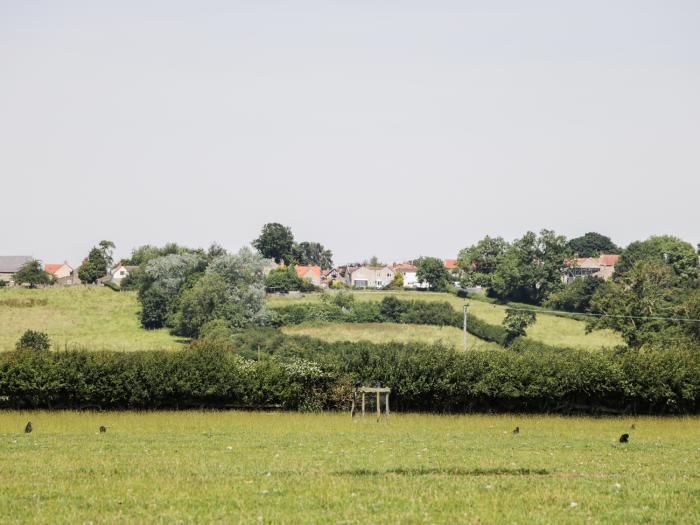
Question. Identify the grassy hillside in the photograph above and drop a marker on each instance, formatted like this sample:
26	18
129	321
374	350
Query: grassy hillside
556	331
97	318
233	467
386	332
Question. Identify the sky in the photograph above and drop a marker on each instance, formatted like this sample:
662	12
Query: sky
392	128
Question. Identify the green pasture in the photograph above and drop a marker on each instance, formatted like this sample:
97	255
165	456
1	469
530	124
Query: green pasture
233	467
95	318
553	330
387	332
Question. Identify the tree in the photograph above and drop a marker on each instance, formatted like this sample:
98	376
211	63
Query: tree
432	270
680	256
275	242
592	244
479	261
374	261
284	279
31	340
204	301
397	281
312	254
516	323
531	268
33	274
577	296
634	302
98	262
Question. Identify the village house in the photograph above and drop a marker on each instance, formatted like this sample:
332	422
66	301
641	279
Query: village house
310	273
602	266
63	273
410	275
371	276
120	272
10	264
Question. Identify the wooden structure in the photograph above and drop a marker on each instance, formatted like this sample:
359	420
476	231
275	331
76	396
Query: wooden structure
380	392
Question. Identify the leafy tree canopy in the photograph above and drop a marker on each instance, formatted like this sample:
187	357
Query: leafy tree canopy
432	270
275	242
33	274
312	254
479	261
592	244
664	249
98	262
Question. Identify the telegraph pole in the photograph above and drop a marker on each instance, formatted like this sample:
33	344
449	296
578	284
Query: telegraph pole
465	327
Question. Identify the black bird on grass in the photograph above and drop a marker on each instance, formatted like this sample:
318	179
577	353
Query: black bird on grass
103	429
624	438
357	384
516	431
28	428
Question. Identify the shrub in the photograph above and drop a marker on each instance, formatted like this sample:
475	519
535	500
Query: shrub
306	374
32	340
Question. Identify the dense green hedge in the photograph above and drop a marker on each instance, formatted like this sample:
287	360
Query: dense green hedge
303	373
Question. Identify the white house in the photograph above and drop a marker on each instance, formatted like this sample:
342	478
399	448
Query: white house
371	276
121	272
409	273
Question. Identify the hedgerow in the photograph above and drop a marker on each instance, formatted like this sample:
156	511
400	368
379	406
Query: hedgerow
270	370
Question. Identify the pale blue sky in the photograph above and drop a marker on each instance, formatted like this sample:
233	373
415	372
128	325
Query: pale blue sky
392	128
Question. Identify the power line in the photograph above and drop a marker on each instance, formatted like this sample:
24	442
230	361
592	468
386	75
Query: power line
645	318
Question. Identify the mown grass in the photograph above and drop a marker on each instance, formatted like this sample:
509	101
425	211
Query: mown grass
232	467
96	318
556	331
387	332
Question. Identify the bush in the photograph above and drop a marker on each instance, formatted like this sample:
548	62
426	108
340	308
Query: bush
31	340
301	373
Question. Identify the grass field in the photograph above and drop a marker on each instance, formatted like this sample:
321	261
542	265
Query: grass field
232	467
557	331
96	318
386	332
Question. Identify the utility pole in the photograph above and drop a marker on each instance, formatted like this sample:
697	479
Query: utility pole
465	327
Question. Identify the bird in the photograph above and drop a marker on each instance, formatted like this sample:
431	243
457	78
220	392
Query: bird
516	430
624	438
357	384
103	429
28	428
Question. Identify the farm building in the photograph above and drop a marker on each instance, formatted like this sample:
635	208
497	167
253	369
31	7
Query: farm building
310	273
121	272
64	273
10	264
602	266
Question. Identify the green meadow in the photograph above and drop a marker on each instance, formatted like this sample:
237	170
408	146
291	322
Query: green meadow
552	330
234	467
94	318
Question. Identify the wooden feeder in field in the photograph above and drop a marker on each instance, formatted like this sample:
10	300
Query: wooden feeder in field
378	393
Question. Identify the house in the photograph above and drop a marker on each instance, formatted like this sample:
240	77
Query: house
409	272
310	273
371	276
10	264
602	266
121	272
341	274
63	273
451	265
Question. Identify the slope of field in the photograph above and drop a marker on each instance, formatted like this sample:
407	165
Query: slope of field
386	332
231	467
556	331
96	318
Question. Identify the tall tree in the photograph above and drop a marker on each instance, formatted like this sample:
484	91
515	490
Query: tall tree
679	255
432	270
312	254
636	300
592	244
479	261
531	268
275	242
32	274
